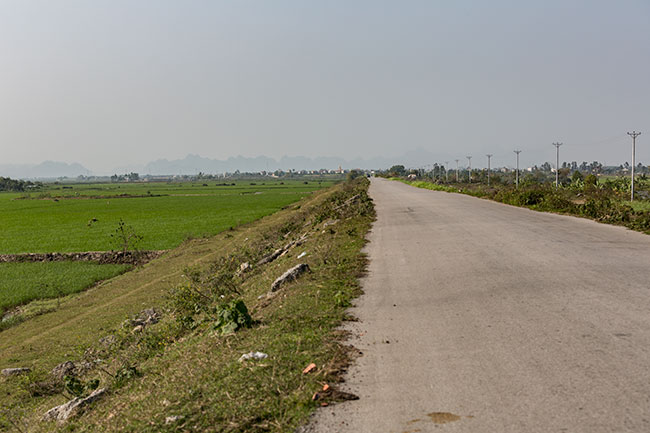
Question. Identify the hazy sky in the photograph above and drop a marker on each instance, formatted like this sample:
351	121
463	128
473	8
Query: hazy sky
110	83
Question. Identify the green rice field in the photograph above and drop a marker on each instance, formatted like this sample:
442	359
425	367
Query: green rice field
24	282
83	217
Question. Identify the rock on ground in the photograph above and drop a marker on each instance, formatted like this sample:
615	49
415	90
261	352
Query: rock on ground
71	408
67	368
291	275
282	251
146	317
15	371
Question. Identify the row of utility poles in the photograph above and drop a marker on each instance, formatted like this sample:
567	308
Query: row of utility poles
557	145
489	168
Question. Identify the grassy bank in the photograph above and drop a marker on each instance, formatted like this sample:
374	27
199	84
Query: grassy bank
598	201
183	373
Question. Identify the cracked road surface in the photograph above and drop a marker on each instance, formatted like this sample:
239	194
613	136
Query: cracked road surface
482	317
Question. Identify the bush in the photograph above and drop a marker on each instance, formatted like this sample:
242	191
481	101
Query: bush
232	316
641	221
577	177
530	197
557	202
77	387
591	182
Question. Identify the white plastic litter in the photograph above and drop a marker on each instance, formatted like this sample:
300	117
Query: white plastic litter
253	355
174	418
301	255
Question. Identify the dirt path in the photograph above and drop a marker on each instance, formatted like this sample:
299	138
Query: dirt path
481	317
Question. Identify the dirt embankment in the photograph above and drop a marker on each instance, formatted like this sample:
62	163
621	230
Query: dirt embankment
102	257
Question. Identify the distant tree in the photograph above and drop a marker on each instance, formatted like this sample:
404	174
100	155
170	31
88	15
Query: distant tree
353	174
8	184
596	167
397	170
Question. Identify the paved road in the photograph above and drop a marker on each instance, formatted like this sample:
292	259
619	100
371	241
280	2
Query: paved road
481	317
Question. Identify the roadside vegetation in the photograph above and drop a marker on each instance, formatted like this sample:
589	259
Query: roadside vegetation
166	340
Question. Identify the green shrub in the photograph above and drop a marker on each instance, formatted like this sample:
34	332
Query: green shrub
556	201
231	317
641	221
77	387
577	177
124	374
590	182
530	197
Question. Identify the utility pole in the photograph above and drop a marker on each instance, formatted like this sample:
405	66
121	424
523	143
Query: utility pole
447	171
557	164
469	170
634	135
517	173
489	156
457	169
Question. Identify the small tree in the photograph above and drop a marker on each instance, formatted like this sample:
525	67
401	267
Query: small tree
125	237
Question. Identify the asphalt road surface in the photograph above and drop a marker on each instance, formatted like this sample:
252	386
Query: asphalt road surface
482	317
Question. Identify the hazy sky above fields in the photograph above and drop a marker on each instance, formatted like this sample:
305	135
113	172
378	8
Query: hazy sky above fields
110	83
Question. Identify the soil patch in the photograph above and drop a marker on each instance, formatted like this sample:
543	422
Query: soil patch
101	257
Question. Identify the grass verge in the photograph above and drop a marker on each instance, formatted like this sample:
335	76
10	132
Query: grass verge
182	373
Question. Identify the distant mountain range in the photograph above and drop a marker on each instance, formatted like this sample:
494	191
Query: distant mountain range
47	169
193	164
